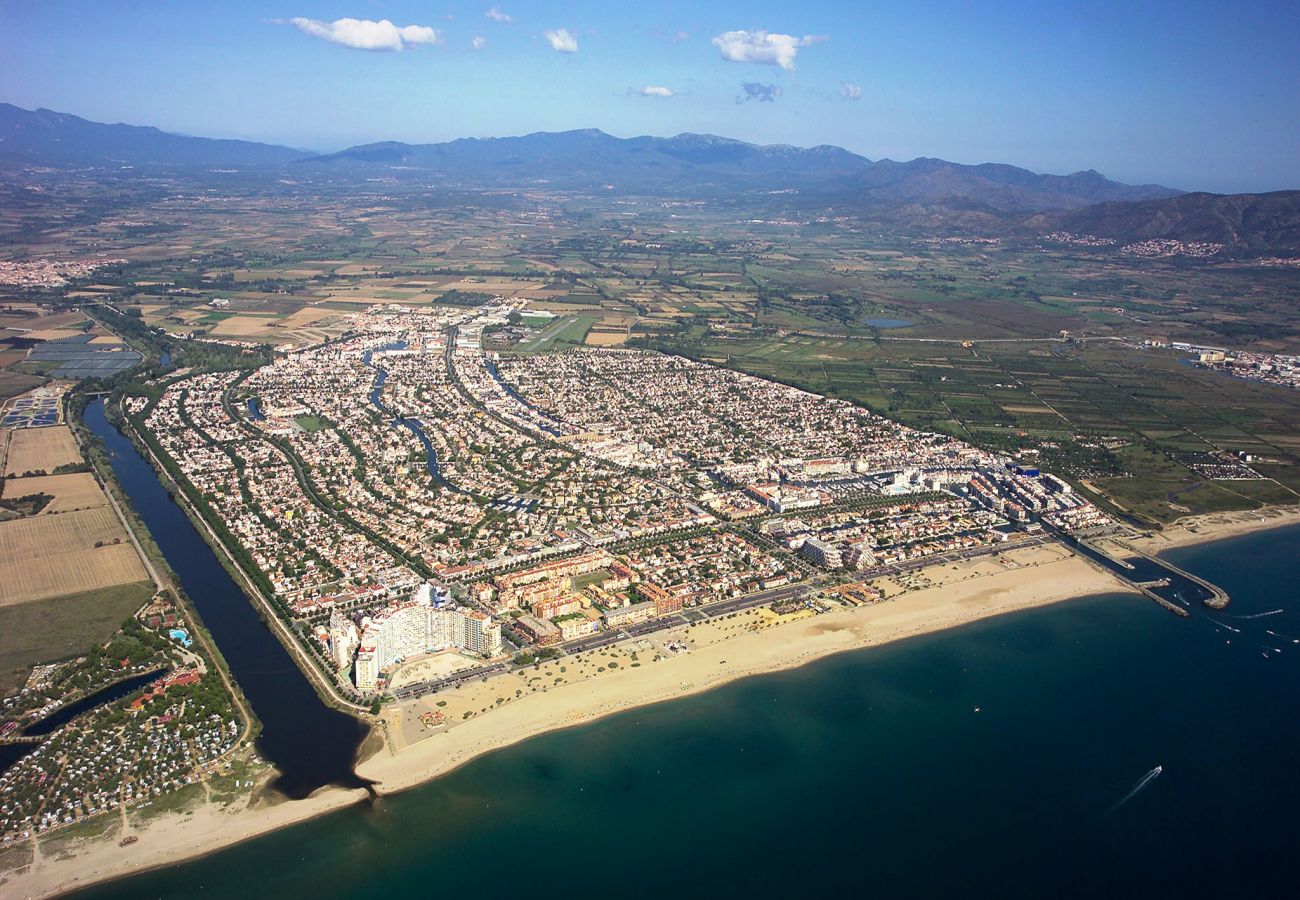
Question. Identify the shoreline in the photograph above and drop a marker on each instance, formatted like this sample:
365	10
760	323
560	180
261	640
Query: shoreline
970	596
1210	527
770	650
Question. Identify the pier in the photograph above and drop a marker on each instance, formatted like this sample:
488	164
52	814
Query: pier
1156	579
1218	598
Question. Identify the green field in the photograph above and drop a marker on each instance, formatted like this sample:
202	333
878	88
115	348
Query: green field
564	330
312	423
45	631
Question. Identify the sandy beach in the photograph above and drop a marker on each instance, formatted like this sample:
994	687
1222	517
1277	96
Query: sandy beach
962	594
62	864
485	716
1216	527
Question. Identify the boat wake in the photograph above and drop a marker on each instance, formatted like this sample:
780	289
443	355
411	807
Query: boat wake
1137	788
1224	625
1271	612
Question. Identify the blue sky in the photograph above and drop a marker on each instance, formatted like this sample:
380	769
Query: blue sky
1194	95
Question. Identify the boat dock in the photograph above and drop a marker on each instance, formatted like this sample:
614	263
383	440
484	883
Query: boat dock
1156	579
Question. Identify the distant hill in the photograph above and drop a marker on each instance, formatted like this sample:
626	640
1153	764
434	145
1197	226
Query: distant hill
688	165
593	160
707	164
922	195
1250	223
48	138
992	187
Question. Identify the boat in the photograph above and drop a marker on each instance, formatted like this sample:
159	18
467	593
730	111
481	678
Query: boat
128	840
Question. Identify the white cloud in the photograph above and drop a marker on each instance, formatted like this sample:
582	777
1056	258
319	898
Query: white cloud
762	47
850	91
366	34
496	15
478	43
655	90
561	41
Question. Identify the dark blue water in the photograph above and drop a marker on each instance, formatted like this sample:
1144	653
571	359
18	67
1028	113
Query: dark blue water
872	773
311	744
254	410
509	389
11	753
66	714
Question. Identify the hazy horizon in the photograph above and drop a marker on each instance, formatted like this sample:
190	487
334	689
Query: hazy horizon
1198	98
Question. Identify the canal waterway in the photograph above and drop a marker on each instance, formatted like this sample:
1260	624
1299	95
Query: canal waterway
311	744
11	753
413	425
66	714
509	389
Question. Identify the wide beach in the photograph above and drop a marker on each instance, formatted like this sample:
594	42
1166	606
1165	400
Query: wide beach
728	651
719	653
1218	526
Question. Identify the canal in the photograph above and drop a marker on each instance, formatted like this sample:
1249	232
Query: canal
311	745
411	424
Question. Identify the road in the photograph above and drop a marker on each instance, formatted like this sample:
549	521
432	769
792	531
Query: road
607	638
927	561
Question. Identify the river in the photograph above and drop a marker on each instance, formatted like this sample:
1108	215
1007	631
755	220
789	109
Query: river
311	744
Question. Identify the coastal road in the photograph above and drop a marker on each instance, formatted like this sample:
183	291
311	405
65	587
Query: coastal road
926	562
607	638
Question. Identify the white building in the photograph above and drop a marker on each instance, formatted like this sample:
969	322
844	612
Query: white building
429	622
344	639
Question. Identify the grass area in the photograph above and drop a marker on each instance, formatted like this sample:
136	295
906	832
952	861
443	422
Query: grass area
565	330
179	800
312	423
61	627
16	857
590	578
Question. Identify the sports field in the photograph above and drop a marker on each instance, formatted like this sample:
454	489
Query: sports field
41	450
50	555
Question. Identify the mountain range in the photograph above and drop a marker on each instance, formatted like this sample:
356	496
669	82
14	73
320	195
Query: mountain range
919	195
704	164
48	138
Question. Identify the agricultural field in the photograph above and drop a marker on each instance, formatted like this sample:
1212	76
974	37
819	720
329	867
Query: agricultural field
51	555
40	450
71	492
43	631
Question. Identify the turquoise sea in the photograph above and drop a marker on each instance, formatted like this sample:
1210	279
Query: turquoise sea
990	761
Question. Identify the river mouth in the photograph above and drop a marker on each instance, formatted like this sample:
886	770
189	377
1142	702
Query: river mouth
310	744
